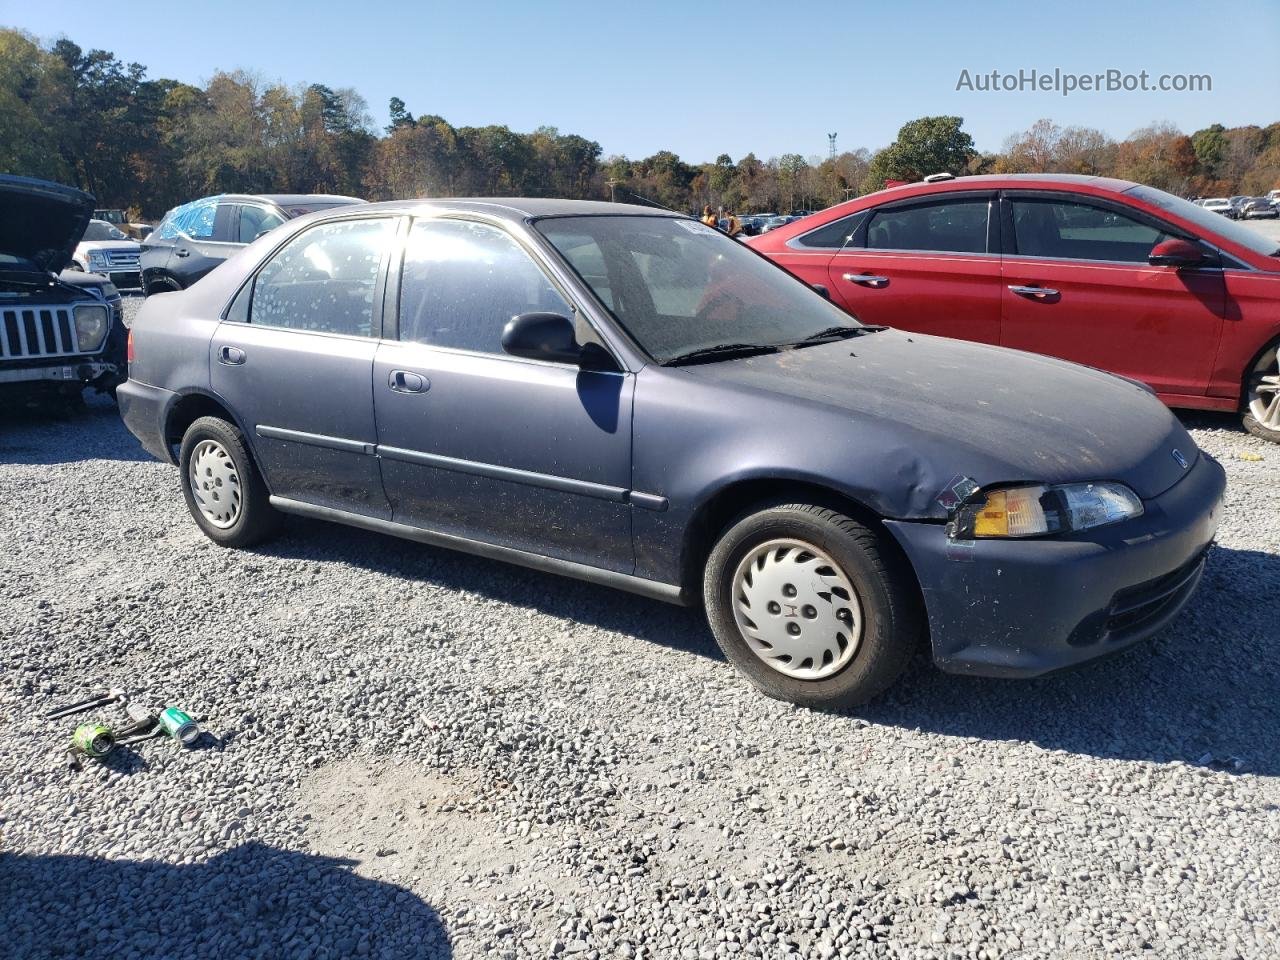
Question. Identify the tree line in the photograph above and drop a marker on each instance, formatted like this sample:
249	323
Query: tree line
89	119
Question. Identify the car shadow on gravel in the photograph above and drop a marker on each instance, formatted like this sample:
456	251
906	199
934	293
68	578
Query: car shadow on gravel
58	435
1203	691
681	628
252	901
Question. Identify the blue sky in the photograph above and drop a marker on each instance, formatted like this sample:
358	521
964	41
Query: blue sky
710	78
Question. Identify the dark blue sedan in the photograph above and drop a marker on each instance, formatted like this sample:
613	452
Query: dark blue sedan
630	397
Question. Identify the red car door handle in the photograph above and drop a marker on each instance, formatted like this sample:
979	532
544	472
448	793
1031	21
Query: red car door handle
867	280
1034	293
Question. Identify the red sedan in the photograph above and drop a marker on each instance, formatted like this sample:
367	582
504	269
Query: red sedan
1104	272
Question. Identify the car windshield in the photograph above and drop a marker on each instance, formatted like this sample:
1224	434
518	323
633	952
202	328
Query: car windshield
1207	220
101	230
678	286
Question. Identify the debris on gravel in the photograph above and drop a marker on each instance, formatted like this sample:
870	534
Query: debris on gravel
414	753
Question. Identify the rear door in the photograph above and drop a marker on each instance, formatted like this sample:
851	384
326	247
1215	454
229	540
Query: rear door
294	360
206	238
1077	285
521	453
929	264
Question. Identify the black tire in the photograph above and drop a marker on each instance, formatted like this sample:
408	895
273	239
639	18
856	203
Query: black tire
257	520
892	622
1268	364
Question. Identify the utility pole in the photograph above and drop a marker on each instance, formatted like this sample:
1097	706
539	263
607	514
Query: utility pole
831	146
612	184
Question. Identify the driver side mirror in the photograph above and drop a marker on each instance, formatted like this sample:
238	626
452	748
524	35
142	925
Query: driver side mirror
1175	253
541	336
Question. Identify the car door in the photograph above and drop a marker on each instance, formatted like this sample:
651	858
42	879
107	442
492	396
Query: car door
1077	285
929	264
293	359
206	238
475	443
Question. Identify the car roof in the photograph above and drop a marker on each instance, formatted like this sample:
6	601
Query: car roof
287	199
520	208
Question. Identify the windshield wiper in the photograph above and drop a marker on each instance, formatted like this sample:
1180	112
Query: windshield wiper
840	333
721	351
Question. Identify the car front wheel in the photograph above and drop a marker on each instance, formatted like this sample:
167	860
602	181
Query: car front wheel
1262	397
811	605
222	486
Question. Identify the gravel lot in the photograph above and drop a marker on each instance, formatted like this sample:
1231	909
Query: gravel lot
412	753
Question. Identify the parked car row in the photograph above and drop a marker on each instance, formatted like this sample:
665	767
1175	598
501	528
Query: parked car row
1243	208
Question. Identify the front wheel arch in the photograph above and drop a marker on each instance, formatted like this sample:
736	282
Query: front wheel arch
729	503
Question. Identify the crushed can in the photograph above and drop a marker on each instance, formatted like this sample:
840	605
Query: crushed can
93	740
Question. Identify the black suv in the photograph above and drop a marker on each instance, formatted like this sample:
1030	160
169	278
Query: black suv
60	329
194	238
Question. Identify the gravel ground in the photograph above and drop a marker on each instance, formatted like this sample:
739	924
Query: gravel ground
412	753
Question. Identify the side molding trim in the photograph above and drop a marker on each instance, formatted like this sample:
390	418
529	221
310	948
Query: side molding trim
492	471
668	592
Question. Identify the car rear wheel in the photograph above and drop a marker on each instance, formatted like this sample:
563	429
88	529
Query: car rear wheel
1262	397
811	605
222	486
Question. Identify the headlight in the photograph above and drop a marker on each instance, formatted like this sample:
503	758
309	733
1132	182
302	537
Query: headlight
91	327
1034	511
98	261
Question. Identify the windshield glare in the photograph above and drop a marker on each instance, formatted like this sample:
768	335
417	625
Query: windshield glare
678	285
1207	220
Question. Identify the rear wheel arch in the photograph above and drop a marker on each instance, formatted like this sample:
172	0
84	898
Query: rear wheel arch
189	408
1267	357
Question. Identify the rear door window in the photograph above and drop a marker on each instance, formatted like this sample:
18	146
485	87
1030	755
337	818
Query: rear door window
197	220
950	225
324	279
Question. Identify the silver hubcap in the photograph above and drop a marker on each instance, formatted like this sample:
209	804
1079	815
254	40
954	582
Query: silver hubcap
797	609
215	483
1264	392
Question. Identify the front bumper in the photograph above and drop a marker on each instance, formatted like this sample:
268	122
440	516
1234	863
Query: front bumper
75	371
1021	608
143	408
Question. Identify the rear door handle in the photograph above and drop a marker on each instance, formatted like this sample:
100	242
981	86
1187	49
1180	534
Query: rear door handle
182	252
405	381
1034	293
232	356
867	280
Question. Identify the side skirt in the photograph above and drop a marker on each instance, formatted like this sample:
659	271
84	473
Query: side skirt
668	592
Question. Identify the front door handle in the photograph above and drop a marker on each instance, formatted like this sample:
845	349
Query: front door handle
867	280
1033	292
182	252
405	381
231	356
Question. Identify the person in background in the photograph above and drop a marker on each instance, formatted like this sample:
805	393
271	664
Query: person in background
708	216
732	225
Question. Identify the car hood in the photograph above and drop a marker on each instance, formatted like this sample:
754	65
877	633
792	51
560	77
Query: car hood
42	221
987	413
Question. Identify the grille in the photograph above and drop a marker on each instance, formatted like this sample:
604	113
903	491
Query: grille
122	258
37	332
